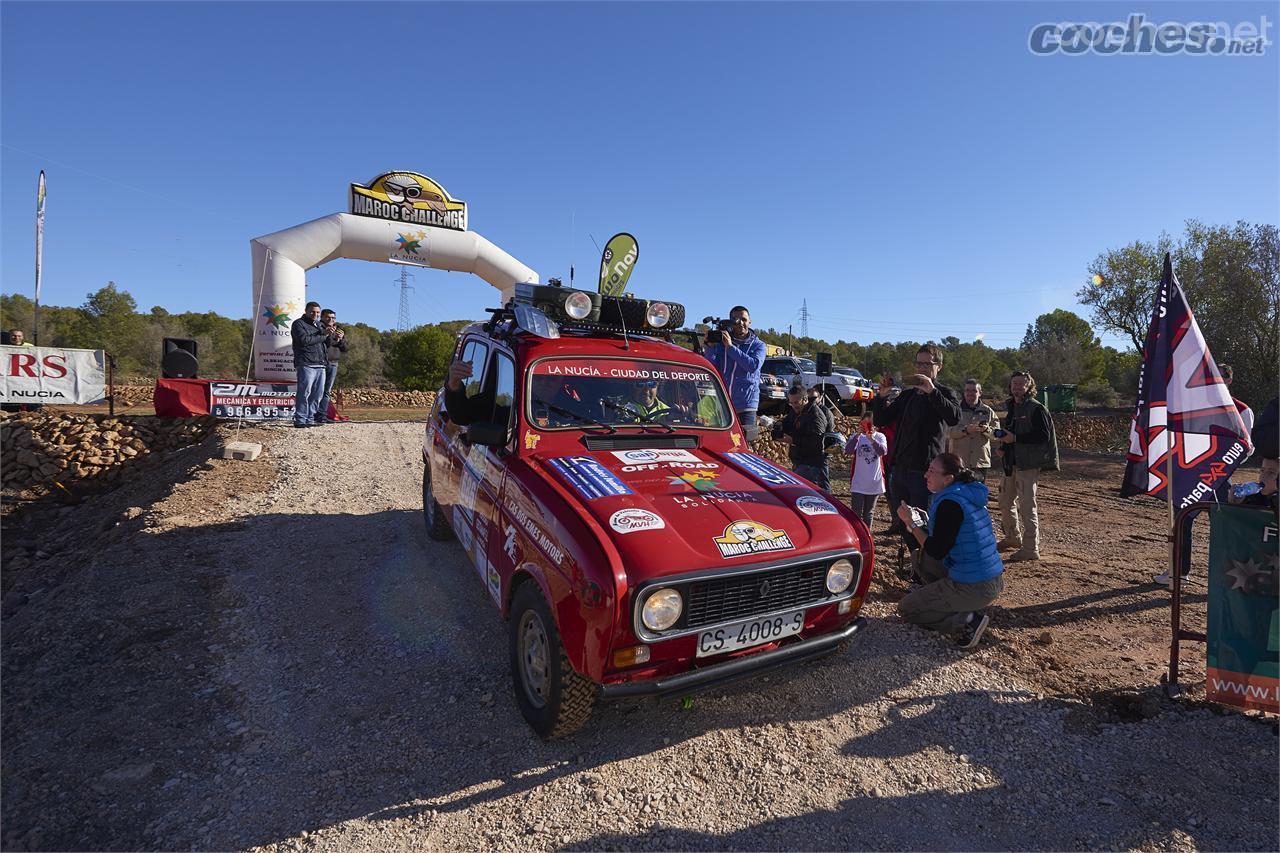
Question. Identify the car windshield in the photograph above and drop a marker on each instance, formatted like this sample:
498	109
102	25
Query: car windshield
807	366
569	393
848	371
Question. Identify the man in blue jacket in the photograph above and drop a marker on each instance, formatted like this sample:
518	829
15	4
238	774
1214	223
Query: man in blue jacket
737	356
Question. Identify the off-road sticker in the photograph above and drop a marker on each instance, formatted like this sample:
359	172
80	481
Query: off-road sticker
743	538
814	505
634	520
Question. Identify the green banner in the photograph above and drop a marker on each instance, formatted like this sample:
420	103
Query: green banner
617	262
1244	621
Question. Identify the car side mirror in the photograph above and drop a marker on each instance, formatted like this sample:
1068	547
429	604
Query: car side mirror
488	434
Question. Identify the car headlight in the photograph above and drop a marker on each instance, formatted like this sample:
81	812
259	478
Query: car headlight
658	315
578	305
839	576
662	609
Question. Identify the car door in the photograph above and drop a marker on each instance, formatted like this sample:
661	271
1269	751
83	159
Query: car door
463	457
491	537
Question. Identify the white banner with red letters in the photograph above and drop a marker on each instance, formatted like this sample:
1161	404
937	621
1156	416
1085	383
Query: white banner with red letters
63	377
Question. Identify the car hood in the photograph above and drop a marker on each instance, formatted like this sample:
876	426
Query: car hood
674	511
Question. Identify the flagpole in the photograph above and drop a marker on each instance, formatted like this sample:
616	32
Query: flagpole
35	320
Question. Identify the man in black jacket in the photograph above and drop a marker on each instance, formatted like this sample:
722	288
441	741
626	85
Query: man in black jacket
333	352
309	342
805	426
1027	447
922	414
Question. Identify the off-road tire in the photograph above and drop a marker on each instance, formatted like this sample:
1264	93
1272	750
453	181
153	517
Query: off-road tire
432	513
567	697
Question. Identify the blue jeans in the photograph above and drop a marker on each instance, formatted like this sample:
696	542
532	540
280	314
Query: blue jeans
747	417
819	475
310	389
330	374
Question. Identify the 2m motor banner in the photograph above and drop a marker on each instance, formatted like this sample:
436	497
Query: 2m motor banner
64	377
252	401
1183	408
616	263
1244	622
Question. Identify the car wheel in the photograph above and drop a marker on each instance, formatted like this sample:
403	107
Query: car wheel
554	699
432	513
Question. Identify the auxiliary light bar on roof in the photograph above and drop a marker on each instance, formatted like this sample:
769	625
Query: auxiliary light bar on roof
588	309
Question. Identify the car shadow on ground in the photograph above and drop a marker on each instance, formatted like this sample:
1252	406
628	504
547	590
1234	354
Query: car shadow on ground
1019	782
351	669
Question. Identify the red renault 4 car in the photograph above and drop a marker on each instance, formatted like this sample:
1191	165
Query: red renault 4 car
594	473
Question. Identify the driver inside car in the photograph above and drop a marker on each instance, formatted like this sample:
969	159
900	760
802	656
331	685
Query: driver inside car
644	400
556	402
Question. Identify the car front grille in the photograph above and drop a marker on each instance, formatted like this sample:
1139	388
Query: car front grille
724	599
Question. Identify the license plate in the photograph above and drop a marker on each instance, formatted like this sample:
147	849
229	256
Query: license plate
749	632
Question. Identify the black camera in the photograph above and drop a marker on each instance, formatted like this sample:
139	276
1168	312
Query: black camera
717	325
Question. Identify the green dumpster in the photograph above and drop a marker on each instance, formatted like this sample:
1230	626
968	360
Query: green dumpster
1060	398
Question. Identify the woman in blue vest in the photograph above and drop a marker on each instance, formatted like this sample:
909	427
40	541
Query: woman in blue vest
959	562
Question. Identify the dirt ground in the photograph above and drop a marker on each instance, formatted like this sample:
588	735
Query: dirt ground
1086	621
229	655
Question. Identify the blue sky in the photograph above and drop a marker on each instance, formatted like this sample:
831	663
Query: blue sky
910	170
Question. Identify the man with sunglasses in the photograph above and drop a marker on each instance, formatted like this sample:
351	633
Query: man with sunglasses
644	400
920	416
737	358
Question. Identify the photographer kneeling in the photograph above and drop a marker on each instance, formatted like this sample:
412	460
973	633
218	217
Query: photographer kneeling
804	427
959	563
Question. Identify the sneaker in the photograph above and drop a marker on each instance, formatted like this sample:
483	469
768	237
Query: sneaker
1009	544
1022	555
1166	580
973	630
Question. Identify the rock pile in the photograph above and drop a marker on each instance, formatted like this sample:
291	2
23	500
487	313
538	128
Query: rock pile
385	398
1093	433
40	447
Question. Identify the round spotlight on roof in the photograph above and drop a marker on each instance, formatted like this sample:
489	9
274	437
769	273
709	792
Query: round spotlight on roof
578	305
658	315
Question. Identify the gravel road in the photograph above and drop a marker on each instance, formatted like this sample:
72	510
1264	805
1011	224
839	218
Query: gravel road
275	656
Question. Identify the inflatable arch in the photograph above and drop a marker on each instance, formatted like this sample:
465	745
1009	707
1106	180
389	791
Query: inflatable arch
398	218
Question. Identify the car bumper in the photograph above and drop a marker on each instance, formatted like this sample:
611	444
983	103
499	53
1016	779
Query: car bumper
701	679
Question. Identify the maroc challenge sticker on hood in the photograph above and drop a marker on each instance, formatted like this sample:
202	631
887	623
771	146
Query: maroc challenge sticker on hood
742	538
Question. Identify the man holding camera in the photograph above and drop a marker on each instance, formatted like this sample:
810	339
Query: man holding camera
920	415
970	439
804	427
333	352
736	354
